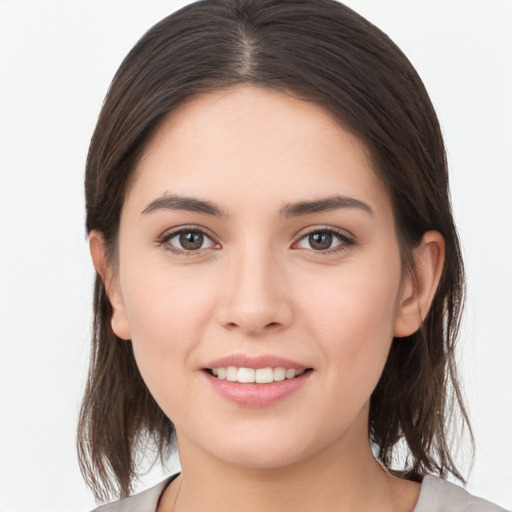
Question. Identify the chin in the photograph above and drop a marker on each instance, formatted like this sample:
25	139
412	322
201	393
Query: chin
260	451
259	459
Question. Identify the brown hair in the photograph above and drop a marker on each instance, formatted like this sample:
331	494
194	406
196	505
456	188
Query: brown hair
320	51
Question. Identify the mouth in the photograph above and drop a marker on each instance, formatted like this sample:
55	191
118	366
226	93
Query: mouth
245	375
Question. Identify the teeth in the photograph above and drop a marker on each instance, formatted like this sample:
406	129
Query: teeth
290	374
279	374
264	375
231	373
259	375
247	374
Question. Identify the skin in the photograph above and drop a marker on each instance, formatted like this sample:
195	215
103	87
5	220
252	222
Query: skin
258	286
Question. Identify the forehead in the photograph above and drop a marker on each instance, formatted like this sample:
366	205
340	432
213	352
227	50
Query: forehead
249	143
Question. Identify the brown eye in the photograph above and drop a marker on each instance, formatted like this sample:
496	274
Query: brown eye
320	241
323	240
189	240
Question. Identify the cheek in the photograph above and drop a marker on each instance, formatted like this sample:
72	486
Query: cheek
167	312
352	317
354	302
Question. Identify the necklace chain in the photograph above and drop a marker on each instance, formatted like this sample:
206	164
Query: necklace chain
177	494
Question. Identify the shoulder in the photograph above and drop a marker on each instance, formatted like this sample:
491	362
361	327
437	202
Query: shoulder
438	495
145	501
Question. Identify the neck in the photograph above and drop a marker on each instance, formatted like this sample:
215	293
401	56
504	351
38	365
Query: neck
343	477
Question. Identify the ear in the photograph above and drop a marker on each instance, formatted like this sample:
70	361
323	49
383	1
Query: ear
119	320
420	286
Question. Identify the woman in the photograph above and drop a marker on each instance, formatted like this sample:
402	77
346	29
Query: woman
279	274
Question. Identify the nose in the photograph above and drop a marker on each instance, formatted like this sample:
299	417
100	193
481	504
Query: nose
255	299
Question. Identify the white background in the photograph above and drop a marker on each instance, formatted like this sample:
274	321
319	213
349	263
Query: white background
57	59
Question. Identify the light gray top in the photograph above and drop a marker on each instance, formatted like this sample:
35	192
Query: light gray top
436	495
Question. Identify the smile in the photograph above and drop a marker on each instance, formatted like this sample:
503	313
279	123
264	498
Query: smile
255	375
248	392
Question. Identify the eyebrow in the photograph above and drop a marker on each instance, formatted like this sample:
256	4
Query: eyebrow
189	204
324	205
192	204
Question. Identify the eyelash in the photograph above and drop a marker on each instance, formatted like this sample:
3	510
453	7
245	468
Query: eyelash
167	237
345	240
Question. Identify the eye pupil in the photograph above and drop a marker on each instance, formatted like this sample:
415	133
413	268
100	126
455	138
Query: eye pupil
191	240
320	241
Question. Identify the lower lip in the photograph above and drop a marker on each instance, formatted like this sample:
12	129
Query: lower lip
257	395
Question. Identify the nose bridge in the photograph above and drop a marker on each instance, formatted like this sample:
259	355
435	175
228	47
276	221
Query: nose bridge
255	298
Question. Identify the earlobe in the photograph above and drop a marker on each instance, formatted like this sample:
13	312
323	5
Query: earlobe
420	286
119	320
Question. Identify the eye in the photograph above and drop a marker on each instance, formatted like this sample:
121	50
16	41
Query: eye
323	240
187	240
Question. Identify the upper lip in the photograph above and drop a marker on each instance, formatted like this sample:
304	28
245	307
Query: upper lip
261	361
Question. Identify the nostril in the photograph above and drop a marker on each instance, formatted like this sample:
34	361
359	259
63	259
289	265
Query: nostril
234	325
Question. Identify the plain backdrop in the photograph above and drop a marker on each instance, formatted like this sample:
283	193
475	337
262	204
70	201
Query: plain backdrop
57	59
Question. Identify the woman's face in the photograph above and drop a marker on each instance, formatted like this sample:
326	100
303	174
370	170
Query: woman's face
256	235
